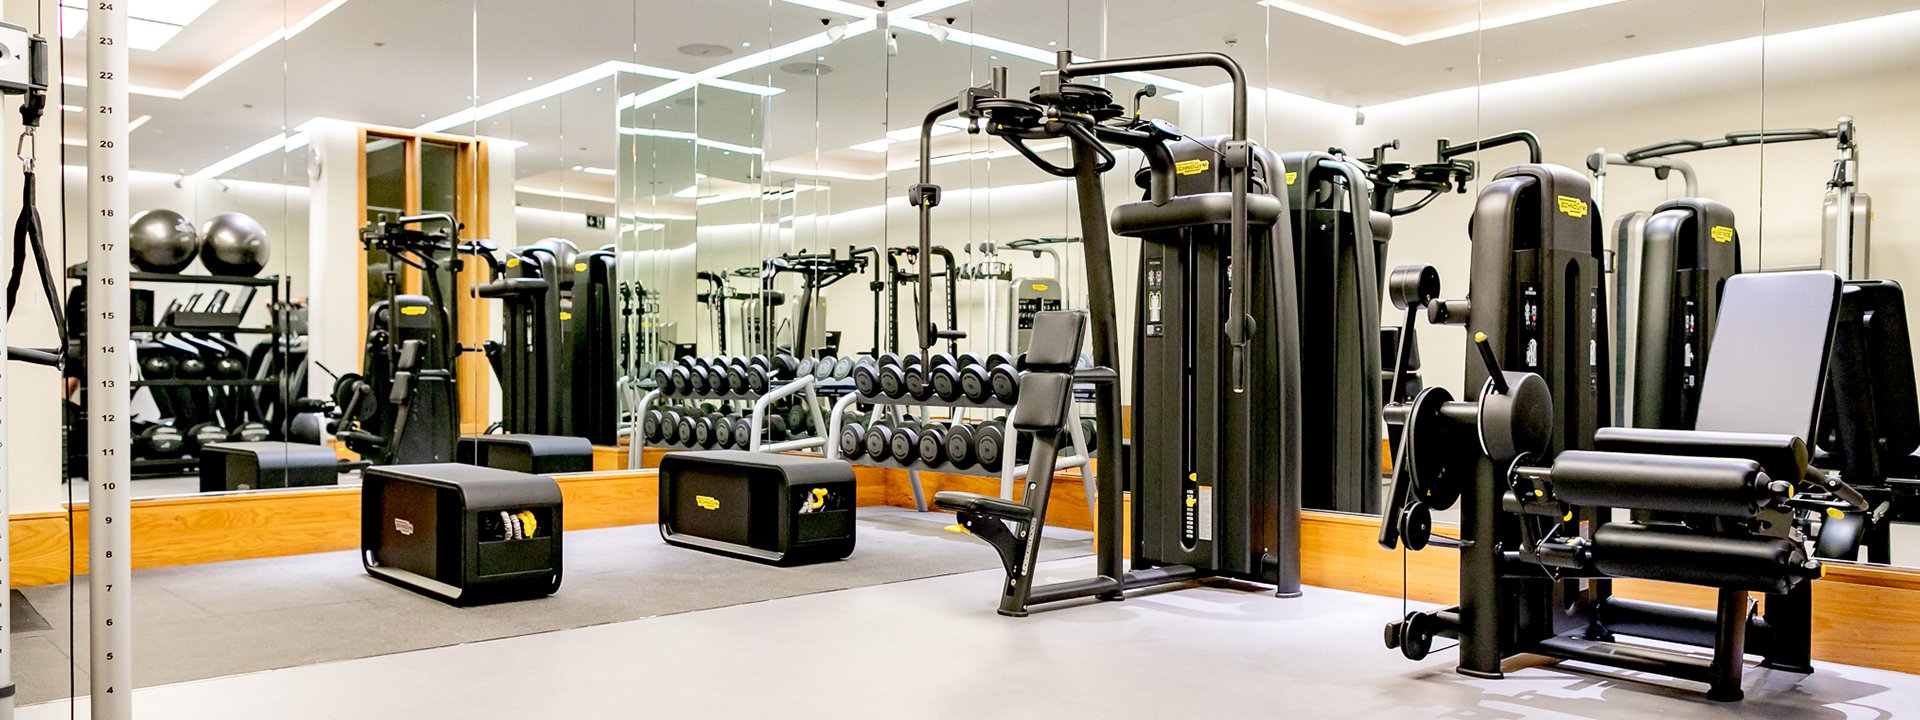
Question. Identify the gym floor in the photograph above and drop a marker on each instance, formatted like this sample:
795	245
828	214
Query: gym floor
933	648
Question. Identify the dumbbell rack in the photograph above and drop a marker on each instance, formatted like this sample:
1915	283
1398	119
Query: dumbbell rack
762	404
1008	470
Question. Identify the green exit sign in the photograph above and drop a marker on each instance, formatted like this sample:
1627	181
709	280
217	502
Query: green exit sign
597	222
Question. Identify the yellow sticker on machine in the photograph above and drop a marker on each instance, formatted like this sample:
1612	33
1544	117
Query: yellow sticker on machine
414	310
1191	167
706	502
565	316
1573	207
1039	287
1292	176
513	262
579	267
1721	234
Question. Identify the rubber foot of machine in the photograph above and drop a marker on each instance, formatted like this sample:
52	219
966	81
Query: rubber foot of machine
1730	695
1480	674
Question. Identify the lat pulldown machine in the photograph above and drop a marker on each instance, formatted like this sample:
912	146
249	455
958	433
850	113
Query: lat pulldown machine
1538	479
1215	459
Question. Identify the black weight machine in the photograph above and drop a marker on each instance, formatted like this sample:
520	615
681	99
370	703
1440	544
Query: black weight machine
1538	478
1688	250
402	407
921	275
817	272
1215	461
1335	228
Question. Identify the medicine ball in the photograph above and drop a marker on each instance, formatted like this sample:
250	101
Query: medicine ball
162	241
233	244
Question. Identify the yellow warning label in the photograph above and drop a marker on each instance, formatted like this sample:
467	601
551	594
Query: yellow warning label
1039	287
414	310
1292	176
706	502
579	267
1191	167
1574	207
1721	234
513	262
564	316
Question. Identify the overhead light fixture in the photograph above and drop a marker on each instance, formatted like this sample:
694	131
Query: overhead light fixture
700	141
823	173
939	33
944	127
836	31
137	122
912	10
1514	18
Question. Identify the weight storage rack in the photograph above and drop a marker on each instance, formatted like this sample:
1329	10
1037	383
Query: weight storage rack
1008	470
801	387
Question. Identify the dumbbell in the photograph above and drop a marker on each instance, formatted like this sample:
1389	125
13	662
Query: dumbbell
904	446
941	359
682	380
945	382
970	359
190	367
785	367
917	385
160	442
853	440
910	359
686	430
1004	382
997	359
960	438
723	431
201	435
844	368
933	445
250	432
700	380
650	425
893	381
976	383
777	429
989	445
879	440
804	367
743	432
704	432
823	368
866	377
663	379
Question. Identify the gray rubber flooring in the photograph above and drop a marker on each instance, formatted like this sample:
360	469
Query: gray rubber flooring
220	619
933	648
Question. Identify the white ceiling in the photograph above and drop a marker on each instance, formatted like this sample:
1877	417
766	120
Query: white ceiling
406	63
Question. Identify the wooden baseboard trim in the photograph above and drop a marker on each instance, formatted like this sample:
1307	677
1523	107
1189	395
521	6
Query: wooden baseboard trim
1866	615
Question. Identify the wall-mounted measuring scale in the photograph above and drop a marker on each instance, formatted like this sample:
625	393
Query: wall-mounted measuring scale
109	360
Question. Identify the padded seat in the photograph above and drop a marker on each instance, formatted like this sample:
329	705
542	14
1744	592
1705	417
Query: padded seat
978	504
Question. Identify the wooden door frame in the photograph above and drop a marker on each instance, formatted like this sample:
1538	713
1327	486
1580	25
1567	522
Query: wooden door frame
473	323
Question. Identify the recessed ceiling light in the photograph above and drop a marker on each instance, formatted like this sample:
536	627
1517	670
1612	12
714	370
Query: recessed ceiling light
1631	36
706	50
746	44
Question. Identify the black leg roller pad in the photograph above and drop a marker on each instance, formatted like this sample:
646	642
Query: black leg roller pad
460	533
258	465
537	454
778	509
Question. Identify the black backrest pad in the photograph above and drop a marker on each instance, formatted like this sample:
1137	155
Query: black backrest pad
1872	374
1768	361
1056	340
1044	398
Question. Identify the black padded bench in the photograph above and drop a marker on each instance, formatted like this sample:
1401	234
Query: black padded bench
267	464
537	454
